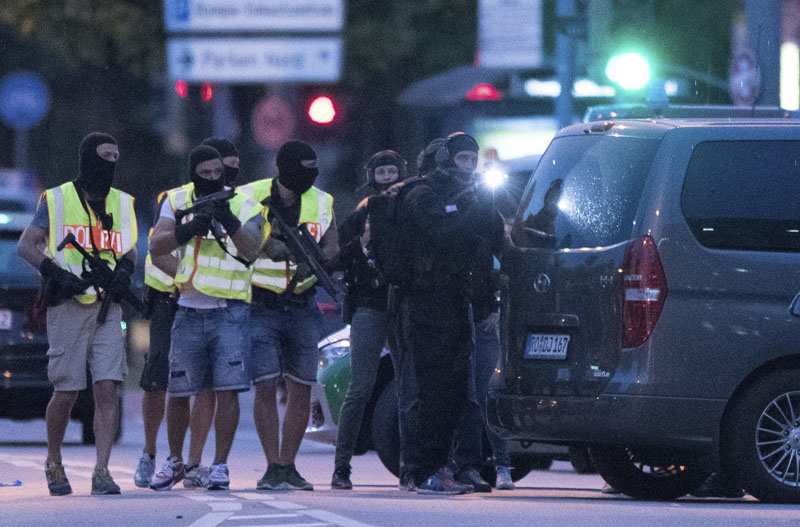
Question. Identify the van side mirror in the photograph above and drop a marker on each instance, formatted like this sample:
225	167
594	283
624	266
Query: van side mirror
794	308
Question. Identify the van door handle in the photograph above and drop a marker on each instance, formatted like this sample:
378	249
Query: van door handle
794	308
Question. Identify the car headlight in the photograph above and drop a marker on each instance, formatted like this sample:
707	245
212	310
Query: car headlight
333	352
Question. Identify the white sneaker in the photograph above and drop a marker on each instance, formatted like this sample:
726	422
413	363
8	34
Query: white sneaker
168	476
504	481
145	471
218	478
196	477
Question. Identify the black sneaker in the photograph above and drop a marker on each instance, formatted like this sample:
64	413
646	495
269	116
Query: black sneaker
473	477
341	479
717	487
295	480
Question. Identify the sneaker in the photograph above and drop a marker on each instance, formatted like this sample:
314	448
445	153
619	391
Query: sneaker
57	482
717	487
218	478
145	471
450	479
295	480
341	478
473	477
273	479
195	477
407	482
103	483
171	472
504	481
440	484
608	489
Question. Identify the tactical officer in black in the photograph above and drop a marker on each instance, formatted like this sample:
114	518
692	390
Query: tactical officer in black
365	309
453	231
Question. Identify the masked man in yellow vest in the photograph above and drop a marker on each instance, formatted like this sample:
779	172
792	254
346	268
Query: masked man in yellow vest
162	304
211	332
285	315
103	222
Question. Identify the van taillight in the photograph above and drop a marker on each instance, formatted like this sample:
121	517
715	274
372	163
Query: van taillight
645	290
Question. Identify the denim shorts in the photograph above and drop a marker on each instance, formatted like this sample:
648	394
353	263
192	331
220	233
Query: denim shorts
285	341
210	340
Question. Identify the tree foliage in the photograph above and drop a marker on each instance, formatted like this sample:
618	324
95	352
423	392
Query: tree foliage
114	34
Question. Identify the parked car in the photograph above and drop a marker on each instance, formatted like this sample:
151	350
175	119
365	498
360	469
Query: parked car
650	304
379	428
24	387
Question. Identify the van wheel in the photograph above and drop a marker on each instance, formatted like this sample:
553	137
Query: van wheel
763	434
646	475
386	429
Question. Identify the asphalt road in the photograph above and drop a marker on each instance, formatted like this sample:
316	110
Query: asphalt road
557	497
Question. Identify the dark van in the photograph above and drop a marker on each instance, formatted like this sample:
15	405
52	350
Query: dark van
650	304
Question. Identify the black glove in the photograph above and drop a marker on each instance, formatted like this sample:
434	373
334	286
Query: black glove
199	226
224	215
65	284
121	282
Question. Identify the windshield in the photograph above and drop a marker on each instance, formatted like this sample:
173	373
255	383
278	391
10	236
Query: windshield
584	193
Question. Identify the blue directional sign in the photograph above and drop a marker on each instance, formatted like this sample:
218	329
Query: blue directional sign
24	100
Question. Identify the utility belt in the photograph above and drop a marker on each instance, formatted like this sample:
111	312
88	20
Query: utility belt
272	300
152	297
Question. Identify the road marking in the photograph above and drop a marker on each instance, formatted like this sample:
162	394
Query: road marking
212	519
334	518
284	505
266	516
313	524
23	463
223	505
253	496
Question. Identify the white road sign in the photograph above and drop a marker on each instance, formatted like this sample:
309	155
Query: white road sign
510	33
239	60
254	15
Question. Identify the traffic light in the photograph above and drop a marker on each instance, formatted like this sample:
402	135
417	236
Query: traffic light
629	70
323	113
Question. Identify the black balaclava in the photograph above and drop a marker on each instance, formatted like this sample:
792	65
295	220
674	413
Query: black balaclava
455	143
426	160
225	149
203	186
297	166
382	158
96	174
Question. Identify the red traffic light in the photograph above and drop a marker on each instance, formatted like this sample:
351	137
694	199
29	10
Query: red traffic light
484	92
322	110
181	88
207	92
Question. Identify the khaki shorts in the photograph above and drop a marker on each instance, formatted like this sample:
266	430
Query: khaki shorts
76	339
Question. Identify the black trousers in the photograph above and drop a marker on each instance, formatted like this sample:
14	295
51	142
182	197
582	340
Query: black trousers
440	353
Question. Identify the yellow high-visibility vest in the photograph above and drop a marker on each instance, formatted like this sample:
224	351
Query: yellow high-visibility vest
68	215
203	263
153	276
316	211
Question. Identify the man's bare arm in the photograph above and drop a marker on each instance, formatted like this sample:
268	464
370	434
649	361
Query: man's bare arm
28	247
163	241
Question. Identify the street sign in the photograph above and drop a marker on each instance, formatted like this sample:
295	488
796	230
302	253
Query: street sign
273	123
241	60
24	100
254	15
510	33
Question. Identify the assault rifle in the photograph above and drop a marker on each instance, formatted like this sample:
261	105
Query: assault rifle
304	249
101	275
205	205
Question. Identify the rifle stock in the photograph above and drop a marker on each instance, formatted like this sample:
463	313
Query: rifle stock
101	276
305	249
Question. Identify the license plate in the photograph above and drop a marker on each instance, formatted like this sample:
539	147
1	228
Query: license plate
546	346
5	319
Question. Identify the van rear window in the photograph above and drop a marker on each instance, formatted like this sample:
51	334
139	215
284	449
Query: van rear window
584	193
744	195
